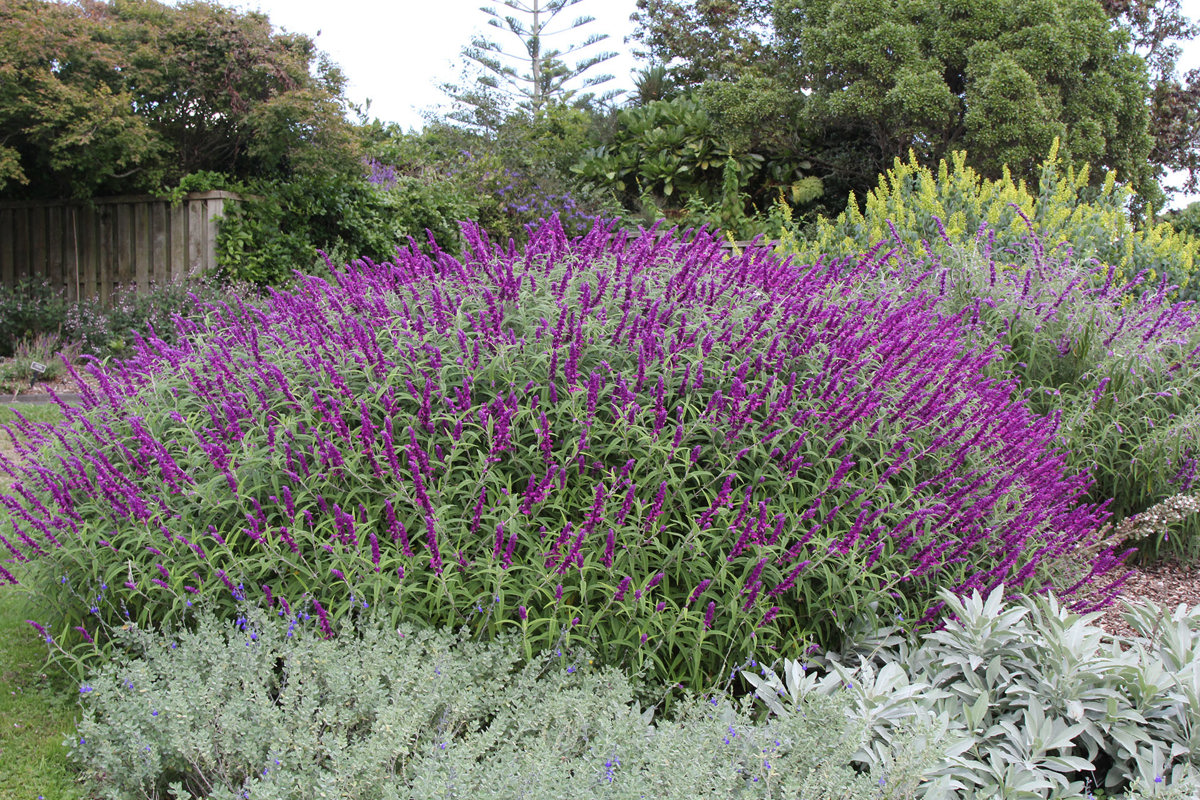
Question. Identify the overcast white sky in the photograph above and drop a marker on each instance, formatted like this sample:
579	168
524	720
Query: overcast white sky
397	52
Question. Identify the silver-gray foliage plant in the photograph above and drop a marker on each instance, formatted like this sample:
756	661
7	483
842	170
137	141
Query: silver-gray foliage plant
264	708
1029	699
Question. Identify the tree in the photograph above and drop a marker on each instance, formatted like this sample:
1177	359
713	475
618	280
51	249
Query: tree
703	40
133	94
999	78
1156	27
533	75
66	119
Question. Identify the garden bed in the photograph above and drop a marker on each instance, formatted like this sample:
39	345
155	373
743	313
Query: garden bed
61	383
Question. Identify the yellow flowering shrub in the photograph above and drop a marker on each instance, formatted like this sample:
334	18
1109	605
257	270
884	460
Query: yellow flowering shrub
1065	211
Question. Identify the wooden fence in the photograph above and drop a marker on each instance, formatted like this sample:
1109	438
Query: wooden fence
88	249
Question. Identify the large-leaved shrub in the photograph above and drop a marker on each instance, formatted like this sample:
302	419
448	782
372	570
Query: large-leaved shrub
1037	701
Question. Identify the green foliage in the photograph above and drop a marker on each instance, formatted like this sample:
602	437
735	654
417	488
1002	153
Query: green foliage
936	213
47	349
1001	78
503	182
1157	30
66	118
1037	702
1185	220
36	709
676	157
705	41
281	227
28	309
266	706
202	181
110	329
126	97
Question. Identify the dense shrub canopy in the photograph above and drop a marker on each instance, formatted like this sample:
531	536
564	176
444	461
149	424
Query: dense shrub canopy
932	211
634	443
118	98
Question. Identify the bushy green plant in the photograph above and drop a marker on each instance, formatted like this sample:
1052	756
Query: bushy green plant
111	329
505	182
1117	365
1185	220
675	158
30	308
282	227
635	443
263	706
47	349
1038	701
914	208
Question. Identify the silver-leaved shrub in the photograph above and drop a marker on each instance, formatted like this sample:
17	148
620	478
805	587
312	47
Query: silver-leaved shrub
1036	701
266	707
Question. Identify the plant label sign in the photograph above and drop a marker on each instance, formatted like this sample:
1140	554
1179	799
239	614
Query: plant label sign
38	367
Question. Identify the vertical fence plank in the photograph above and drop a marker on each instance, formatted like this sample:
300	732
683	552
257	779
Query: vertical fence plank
89	252
141	246
126	233
52	218
37	242
158	249
70	255
20	243
8	232
212	218
178	263
106	252
195	236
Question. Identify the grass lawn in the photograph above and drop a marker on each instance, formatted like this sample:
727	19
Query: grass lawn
37	710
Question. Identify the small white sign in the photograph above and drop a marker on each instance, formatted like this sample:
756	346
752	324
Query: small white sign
38	367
